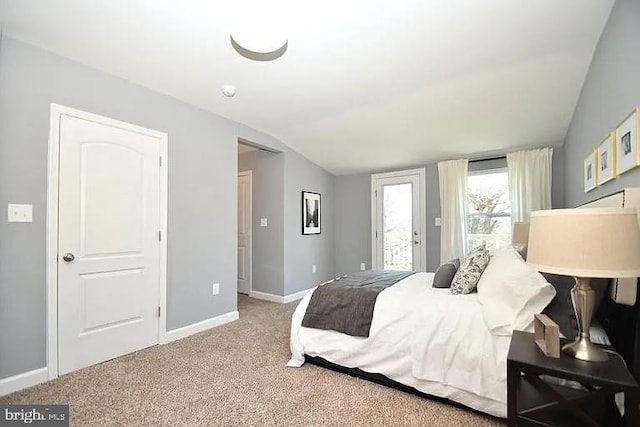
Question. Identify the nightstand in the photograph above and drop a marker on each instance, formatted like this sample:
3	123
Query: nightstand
531	401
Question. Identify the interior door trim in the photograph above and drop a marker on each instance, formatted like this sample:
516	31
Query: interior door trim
53	170
249	173
422	208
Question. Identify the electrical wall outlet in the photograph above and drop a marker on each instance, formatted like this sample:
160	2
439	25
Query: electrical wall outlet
19	213
362	266
437	222
313	268
215	289
263	222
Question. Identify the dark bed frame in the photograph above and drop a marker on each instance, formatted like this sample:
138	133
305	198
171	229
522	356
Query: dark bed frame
385	381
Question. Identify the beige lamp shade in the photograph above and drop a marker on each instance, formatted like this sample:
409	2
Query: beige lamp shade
591	242
520	233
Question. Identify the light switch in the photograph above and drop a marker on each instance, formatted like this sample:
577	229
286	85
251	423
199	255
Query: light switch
20	213
263	222
437	221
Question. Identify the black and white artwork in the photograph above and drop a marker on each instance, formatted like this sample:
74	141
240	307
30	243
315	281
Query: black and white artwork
310	213
627	156
590	172
626	144
606	155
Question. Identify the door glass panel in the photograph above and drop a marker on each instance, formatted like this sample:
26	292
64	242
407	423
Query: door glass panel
397	227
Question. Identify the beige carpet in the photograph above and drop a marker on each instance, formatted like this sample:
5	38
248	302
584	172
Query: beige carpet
235	375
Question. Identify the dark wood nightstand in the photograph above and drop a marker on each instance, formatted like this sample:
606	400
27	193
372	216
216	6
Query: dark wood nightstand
531	401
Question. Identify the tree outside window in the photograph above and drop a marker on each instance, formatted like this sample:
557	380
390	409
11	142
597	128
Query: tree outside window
489	209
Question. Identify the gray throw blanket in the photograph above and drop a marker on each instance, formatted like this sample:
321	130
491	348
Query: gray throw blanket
346	303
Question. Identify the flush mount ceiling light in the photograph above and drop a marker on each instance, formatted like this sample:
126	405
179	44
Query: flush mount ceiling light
259	44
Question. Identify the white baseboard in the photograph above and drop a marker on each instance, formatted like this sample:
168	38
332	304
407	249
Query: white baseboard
277	298
189	330
296	296
267	297
24	380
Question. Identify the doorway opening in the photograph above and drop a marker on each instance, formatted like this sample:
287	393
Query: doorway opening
260	221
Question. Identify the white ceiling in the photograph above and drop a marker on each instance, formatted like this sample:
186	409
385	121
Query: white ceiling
364	85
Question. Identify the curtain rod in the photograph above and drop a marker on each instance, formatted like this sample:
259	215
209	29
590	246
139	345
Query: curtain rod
487	159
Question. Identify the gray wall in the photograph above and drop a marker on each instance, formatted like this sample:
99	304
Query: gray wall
302	251
558	177
353	223
353	203
611	90
267	202
433	211
202	193
282	256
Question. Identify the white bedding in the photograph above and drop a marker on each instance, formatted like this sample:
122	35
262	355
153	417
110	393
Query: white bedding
440	344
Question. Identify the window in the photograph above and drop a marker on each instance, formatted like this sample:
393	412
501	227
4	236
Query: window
489	208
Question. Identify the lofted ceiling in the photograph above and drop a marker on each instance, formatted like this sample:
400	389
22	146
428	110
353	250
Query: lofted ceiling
365	85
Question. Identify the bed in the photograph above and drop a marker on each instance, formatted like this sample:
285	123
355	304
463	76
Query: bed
466	363
398	310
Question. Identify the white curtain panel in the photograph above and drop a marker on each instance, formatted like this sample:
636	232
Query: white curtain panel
529	182
453	208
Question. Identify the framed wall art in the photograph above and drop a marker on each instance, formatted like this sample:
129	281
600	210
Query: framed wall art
310	213
606	154
627	156
590	171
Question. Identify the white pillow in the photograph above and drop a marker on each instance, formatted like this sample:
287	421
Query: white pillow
511	292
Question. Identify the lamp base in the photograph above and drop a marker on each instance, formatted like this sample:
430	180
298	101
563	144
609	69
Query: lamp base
584	349
583	298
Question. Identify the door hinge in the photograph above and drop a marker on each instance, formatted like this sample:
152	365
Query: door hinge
160	160
158	311
159	236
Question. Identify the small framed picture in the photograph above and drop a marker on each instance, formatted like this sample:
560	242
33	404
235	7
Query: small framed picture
590	171
627	156
607	159
310	213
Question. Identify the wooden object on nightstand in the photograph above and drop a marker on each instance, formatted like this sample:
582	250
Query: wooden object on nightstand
532	401
547	335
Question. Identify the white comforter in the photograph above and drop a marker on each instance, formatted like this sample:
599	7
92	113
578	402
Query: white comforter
423	337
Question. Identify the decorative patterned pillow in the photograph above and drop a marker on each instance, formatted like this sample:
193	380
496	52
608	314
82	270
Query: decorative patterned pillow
468	275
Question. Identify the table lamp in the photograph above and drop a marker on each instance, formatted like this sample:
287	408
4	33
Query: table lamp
585	243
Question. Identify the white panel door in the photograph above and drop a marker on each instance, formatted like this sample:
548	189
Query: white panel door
398	221
108	243
244	232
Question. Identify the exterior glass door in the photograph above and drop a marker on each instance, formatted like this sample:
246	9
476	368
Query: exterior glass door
397	226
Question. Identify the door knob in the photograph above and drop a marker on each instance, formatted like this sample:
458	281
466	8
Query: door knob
68	257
